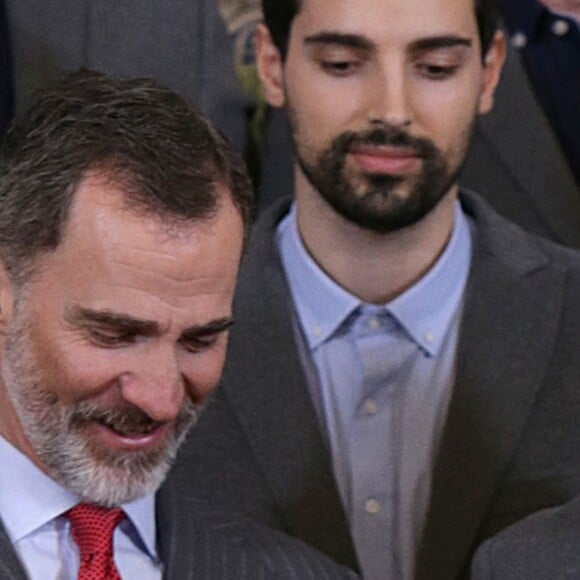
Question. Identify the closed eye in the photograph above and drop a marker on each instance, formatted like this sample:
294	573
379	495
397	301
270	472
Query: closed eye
200	339
110	338
200	344
437	71
340	68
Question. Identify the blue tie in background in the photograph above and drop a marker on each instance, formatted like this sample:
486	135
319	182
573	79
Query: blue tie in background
6	92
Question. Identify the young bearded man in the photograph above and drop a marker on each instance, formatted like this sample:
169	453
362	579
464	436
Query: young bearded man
402	382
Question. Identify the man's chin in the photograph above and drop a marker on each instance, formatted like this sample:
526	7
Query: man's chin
112	474
125	477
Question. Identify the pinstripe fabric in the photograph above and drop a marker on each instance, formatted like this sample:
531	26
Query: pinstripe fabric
243	550
196	543
215	546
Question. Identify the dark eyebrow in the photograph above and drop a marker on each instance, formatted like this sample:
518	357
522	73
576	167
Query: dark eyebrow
210	329
83	317
347	40
435	42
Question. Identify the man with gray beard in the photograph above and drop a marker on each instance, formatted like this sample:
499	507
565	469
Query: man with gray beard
122	221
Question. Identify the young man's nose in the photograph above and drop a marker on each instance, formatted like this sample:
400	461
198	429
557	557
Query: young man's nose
388	100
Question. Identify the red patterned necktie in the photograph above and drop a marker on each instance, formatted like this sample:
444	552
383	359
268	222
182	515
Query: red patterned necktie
92	529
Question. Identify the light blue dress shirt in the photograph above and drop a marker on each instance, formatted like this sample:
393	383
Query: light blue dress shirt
381	378
31	508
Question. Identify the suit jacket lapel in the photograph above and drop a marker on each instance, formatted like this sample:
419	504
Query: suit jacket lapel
512	292
525	142
175	535
10	566
268	390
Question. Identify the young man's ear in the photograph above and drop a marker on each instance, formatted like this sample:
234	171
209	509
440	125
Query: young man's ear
492	66
270	67
6	299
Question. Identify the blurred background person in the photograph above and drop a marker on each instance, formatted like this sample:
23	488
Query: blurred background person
6	99
183	44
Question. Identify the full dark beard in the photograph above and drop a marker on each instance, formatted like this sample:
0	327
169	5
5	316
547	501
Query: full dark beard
371	200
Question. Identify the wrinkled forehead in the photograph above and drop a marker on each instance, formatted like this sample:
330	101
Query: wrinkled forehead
114	259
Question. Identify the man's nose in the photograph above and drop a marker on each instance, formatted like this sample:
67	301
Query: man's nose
155	384
389	99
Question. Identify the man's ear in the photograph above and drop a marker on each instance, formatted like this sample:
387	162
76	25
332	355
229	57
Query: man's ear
6	299
270	67
492	65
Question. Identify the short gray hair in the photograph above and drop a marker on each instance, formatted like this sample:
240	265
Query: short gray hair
152	142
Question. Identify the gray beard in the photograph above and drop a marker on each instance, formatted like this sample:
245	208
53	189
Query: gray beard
54	431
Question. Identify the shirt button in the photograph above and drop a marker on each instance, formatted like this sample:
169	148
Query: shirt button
372	507
373	323
317	331
519	40
429	337
560	27
371	407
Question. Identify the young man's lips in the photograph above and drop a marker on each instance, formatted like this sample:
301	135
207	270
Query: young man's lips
388	160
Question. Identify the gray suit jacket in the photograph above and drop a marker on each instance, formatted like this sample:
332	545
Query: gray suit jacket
214	546
183	44
509	447
545	546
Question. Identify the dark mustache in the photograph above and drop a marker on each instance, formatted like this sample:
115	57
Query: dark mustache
122	419
128	419
387	136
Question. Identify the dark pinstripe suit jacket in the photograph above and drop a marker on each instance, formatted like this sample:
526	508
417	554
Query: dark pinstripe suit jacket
207	545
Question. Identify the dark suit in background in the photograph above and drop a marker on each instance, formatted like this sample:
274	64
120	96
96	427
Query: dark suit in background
544	546
509	447
518	165
6	97
183	44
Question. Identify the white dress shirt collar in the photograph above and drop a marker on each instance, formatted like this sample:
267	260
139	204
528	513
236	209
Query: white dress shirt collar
29	499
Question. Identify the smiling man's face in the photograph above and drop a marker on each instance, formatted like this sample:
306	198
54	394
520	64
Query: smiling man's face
382	96
113	345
